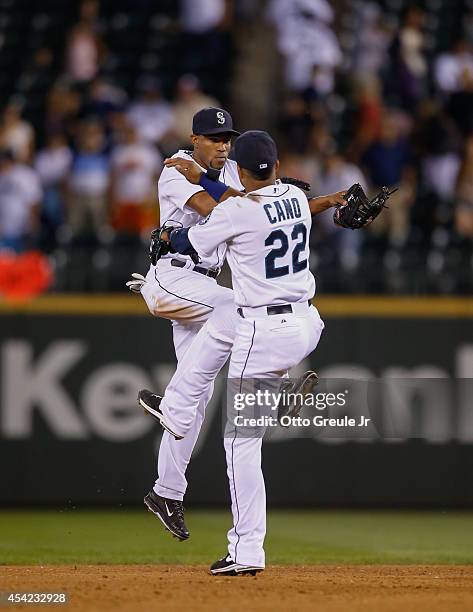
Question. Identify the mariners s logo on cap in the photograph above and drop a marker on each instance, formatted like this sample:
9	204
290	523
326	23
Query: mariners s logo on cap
209	121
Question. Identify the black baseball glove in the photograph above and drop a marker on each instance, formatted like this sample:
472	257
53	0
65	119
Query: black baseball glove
158	247
359	211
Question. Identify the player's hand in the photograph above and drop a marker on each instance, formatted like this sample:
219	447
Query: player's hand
186	167
136	283
338	198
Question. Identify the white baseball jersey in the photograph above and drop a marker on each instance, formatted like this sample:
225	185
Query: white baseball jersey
268	244
174	191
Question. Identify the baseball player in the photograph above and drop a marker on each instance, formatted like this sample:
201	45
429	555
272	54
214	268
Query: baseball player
266	233
186	293
178	289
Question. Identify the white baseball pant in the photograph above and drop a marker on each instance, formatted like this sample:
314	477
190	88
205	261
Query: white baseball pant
261	346
188	299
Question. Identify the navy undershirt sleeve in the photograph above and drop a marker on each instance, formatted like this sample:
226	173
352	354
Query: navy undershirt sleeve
180	241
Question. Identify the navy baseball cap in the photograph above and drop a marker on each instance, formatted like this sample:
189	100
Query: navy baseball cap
209	121
255	151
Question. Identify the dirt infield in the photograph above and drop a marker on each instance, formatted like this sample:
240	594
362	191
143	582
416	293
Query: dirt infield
379	588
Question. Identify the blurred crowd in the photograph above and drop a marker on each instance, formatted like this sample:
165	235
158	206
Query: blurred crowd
371	99
98	166
367	96
93	170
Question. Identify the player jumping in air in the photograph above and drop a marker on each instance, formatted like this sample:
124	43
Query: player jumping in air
266	233
178	289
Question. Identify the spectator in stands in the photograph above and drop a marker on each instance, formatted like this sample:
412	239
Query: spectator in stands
389	162
84	48
307	42
410	59
20	195
88	181
460	104
206	26
201	17
389	157
16	134
89	13
367	96
38	72
135	166
450	67
378	69
437	143
282	10
103	99
305	167
151	114
62	108
321	140
373	38
464	193
52	165
295	124
189	100
338	174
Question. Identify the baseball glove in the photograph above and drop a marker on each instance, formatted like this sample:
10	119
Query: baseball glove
158	247
359	211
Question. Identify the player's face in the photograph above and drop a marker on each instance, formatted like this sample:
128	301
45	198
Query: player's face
213	150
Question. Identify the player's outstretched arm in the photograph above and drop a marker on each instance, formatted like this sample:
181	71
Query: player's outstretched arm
321	203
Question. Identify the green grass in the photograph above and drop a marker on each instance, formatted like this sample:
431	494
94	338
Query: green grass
306	537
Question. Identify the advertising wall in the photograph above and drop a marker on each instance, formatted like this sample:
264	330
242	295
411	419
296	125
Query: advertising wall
71	431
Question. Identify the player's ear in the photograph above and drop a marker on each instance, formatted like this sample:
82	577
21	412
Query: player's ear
240	175
276	167
194	139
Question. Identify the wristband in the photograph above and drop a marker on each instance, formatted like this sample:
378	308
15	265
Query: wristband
215	189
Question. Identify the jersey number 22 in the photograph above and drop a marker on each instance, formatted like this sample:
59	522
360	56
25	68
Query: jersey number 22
299	233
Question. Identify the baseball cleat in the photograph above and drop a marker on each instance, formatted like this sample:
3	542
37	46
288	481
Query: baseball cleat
227	567
150	403
299	388
170	512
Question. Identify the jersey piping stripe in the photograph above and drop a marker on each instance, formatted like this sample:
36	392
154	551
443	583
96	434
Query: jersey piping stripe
180	296
233	442
269	195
